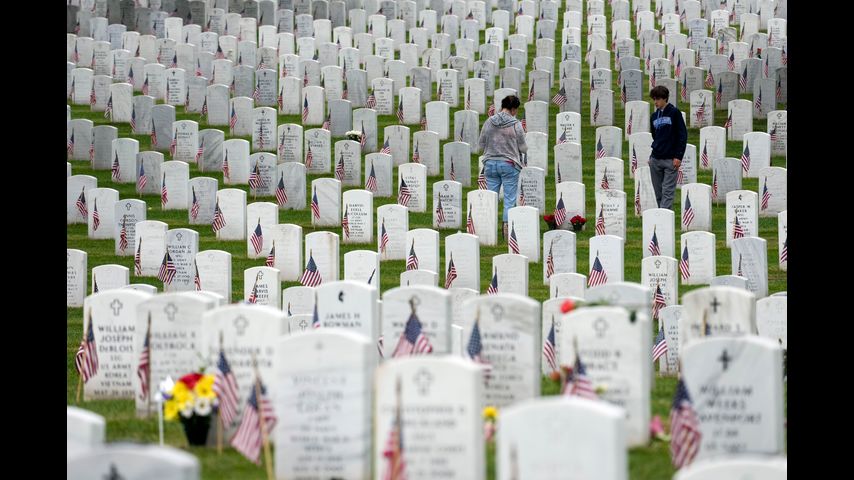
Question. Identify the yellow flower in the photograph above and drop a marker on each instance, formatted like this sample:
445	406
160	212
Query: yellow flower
170	410
204	387
490	412
180	390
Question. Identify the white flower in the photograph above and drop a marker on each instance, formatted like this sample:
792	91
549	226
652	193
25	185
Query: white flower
203	406
187	409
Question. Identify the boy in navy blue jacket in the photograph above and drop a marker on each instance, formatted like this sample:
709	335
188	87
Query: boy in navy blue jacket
669	138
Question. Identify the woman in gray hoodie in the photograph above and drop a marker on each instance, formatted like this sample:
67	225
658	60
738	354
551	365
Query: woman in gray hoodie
502	142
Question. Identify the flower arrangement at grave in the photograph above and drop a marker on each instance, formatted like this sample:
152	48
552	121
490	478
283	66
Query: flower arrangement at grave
192	401
577	222
550	221
354	135
490	415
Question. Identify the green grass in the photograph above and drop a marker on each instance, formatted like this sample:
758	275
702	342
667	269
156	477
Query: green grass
650	462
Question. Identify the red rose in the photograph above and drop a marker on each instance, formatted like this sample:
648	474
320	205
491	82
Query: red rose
567	306
190	379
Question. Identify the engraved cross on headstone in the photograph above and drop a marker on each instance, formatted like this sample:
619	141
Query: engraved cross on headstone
303	324
116	305
715	304
724	359
171	310
423	379
600	325
240	323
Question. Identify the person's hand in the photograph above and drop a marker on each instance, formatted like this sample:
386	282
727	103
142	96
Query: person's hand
676	163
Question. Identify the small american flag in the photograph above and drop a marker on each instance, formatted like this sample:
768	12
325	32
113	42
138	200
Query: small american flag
684	265
386	148
133	118
403	194
766	195
255	177
226	172
600	221
684	428
412	259
531	91
197	279
167	269
714	185
493	285
345	222
634	164
653	246
143	371
123	235
233	118
683	92
315	318
256	94
710	80
94	284
305	109
481	179
742	79
281	195
412	341
153	135
174	63
305	77
623	94
115	170
560	212
513	243
688	213
452	273
271	257
470	223
81	203
560	97
660	346
315	206
596	112
765	68
630	123
597	274
199	68
559	179
784	253
327	122
701	112
195	206
70	144
757	104
137	260
173	145
75	56
309	157
371	102
395	468
652	78
578	383
475	345
108	111
745	158
737	229
468	100
720	93
311	276
86	358
225	387
521	202
363	138
550	261
549	347
218	219
248	439
145	86
779	90
453	173
400	111
416	157
658	301
604	183
371	183
257	238
600	149
440	213
731	61
164	193
678	67
93	99
383	237
680	176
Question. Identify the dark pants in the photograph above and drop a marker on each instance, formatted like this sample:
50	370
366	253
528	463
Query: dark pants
663	181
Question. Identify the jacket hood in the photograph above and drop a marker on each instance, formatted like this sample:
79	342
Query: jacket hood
503	119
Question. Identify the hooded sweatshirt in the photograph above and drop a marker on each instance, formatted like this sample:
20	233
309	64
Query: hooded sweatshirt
502	137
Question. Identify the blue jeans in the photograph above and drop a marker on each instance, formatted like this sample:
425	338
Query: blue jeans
501	173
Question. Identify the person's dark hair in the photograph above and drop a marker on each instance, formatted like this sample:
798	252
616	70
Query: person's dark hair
659	91
510	102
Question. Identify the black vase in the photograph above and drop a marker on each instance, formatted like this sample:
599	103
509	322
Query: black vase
196	428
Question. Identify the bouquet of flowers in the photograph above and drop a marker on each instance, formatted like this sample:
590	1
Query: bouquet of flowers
577	222
550	221
354	135
192	400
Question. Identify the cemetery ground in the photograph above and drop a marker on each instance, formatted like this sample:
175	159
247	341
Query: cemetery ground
650	462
